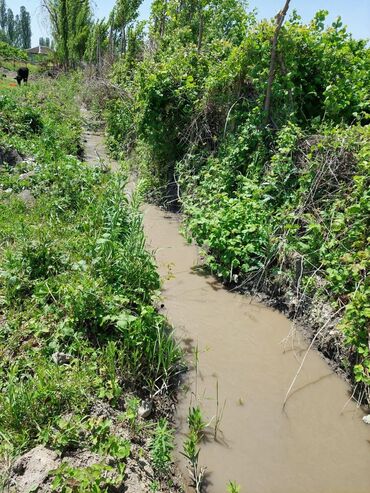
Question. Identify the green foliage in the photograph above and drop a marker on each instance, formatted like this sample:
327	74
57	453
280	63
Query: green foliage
71	23
8	52
257	197
233	487
196	422
98	478
162	445
76	279
35	397
131	413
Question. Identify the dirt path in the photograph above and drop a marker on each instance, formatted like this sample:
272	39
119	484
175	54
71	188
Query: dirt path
314	445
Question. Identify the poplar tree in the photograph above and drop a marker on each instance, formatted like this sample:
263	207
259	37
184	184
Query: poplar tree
125	13
25	28
10	26
71	23
17	32
3	16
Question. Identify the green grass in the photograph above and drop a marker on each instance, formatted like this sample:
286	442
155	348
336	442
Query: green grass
75	277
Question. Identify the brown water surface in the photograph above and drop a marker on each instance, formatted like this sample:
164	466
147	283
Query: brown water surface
313	445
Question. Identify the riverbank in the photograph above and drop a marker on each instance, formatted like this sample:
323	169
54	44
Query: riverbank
87	362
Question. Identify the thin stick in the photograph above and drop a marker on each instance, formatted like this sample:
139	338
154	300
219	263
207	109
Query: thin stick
279	22
306	354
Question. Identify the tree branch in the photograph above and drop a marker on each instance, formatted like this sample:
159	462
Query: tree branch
279	22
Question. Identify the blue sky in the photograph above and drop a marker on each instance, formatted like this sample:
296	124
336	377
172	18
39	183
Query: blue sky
355	13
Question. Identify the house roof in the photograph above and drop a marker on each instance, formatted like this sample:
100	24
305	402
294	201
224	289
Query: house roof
39	50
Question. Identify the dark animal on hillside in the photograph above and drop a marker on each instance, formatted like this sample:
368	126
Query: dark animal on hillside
22	74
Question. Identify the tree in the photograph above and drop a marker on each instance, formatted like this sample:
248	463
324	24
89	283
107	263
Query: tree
17	32
125	13
200	21
159	17
71	23
10	26
79	27
3	16
97	43
25	28
135	47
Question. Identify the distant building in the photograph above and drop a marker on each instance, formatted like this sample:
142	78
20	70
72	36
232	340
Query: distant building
35	53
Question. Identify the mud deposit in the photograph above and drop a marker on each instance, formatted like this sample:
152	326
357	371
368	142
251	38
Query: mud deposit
316	444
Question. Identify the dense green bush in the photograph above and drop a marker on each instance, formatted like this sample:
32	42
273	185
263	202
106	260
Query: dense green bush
8	52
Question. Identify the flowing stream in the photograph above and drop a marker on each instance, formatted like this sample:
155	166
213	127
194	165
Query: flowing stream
317	443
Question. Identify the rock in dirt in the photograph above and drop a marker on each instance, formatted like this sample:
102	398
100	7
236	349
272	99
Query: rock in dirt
103	410
26	176
9	156
61	358
134	485
366	419
27	197
146	409
31	471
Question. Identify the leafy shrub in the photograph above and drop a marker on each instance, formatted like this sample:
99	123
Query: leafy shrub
8	52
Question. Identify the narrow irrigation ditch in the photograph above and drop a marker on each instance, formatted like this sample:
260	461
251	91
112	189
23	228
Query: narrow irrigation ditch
243	362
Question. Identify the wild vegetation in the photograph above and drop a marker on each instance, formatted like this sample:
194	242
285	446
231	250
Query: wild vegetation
79	331
277	193
258	131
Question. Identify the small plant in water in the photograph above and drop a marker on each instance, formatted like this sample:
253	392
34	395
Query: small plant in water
191	452
196	422
232	487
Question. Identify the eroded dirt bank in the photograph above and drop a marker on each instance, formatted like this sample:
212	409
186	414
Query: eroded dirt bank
316	444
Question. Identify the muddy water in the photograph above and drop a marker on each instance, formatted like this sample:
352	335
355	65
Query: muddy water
313	445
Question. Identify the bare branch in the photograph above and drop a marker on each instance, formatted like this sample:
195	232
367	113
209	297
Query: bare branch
279	22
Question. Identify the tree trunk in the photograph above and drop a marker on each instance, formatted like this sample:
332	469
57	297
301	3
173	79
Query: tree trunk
284	71
279	22
123	40
111	43
201	28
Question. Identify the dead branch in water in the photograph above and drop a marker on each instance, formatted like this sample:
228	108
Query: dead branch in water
306	354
